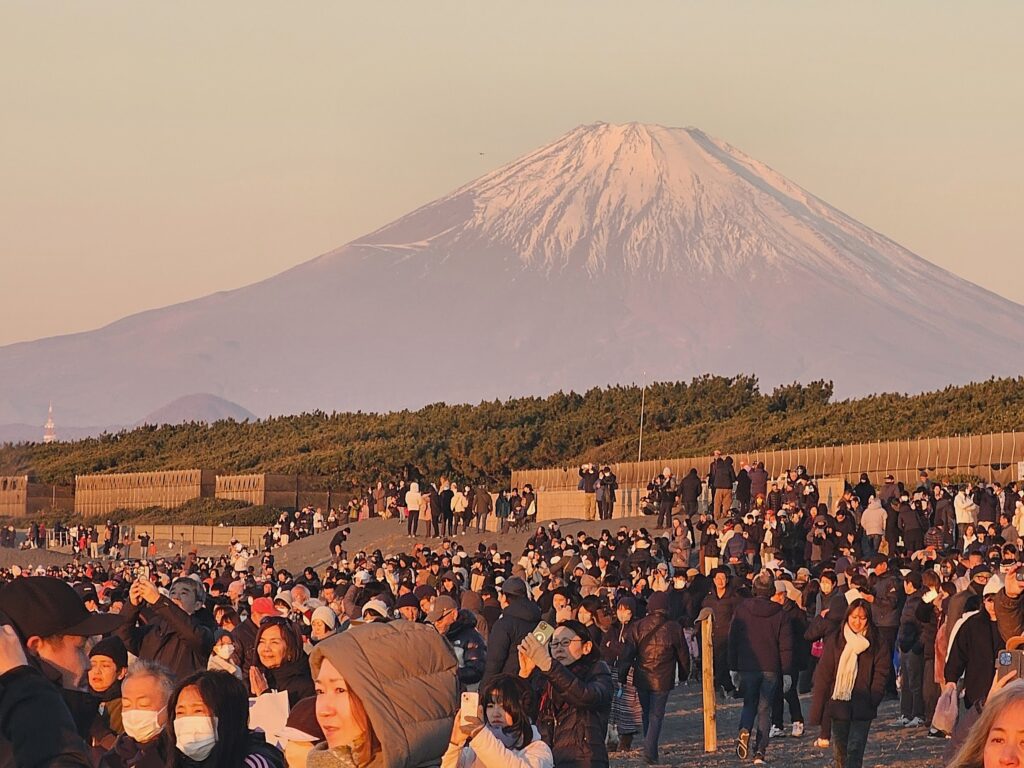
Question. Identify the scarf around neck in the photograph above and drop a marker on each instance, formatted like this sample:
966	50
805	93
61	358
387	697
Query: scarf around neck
846	672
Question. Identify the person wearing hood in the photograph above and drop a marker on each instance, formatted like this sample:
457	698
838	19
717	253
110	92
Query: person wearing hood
45	716
412	502
281	664
502	735
689	492
361	675
519	617
656	651
108	665
175	630
873	523
145	691
459	627
574	688
761	653
208	725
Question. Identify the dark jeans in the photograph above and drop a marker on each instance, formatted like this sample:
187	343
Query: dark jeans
721	664
887	639
912	691
849	738
792	698
758	692
605	509
414	522
665	514
653	705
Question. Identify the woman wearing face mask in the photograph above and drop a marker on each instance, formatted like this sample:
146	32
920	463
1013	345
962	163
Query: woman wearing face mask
223	655
574	688
360	672
208	726
281	664
626	714
849	683
505	737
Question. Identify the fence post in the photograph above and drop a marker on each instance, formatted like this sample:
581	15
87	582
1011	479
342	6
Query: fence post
707	660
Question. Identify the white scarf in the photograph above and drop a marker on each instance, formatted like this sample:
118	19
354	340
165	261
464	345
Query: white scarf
846	672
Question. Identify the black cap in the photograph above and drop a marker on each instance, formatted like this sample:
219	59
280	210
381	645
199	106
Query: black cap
44	606
113	648
514	586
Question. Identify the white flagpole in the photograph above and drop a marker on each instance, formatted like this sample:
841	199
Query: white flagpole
643	397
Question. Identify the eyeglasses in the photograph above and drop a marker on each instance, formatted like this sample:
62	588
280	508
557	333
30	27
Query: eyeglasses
564	643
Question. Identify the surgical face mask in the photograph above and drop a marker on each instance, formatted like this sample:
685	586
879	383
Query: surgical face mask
195	736
142	724
224	651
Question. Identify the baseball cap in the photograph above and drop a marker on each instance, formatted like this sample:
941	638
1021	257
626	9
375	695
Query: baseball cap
44	606
442	607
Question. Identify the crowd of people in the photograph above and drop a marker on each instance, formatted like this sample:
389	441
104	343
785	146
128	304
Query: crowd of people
573	644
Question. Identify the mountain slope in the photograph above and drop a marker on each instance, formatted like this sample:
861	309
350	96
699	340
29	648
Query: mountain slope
613	251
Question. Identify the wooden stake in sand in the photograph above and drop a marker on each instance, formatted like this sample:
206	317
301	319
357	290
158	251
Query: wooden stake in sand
707	659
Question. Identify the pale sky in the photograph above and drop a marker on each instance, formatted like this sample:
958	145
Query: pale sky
153	152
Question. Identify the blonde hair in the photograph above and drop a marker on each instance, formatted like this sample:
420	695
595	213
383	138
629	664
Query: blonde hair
972	753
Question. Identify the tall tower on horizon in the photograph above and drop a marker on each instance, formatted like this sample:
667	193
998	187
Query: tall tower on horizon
50	431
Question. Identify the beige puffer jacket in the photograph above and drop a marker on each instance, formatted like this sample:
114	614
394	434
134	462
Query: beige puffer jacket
405	676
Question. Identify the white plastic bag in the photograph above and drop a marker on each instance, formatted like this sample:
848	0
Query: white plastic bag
946	711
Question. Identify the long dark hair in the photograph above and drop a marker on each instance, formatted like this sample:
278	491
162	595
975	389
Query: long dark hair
515	696
226	697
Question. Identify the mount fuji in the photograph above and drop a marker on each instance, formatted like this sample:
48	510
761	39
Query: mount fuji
613	252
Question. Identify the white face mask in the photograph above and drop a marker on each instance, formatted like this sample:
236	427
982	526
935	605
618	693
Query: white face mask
142	724
224	651
195	736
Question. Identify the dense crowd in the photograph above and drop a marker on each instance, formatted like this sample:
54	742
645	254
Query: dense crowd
573	644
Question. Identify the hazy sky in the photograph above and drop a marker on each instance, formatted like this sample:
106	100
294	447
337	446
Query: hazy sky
156	152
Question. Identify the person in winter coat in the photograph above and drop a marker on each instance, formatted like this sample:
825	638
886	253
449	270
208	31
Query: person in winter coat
974	647
459	627
519	617
758	481
208	725
360	676
864	490
689	492
911	644
873	523
788	596
176	631
626	713
680	544
909	522
723	476
503	736
574	689
849	683
761	651
743	485
281	664
146	690
655	650
721	600
412	501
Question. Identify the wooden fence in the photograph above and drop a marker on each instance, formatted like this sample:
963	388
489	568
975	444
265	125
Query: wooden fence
20	497
98	495
993	457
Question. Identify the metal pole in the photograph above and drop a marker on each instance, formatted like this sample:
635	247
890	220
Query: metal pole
643	399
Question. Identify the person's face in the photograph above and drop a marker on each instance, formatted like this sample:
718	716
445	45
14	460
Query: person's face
1004	747
827	585
624	615
272	648
319	629
68	654
145	692
103	673
496	715
191	704
183	596
334	707
408	613
721	580
559	602
566	647
858	621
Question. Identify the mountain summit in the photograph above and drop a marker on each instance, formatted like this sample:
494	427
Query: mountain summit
613	251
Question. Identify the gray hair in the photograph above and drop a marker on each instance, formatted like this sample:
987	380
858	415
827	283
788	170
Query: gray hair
154	669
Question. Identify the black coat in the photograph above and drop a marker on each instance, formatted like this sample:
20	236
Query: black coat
520	618
760	637
798	626
973	655
463	635
36	727
128	753
723	609
167	634
655	648
873	667
574	704
293	677
690	487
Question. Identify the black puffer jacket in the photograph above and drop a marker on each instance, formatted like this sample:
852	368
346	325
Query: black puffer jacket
521	617
655	648
574	705
470	648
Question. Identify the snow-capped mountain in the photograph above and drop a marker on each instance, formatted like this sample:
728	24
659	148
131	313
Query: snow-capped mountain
615	250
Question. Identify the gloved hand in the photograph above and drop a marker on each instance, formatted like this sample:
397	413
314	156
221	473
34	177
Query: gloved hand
735	677
787	683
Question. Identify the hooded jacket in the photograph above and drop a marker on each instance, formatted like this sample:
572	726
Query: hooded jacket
512	626
470	648
761	637
405	676
873	519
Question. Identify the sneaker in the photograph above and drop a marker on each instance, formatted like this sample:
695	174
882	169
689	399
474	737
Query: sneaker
798	729
900	722
759	758
935	733
821	743
917	722
776	733
743	744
